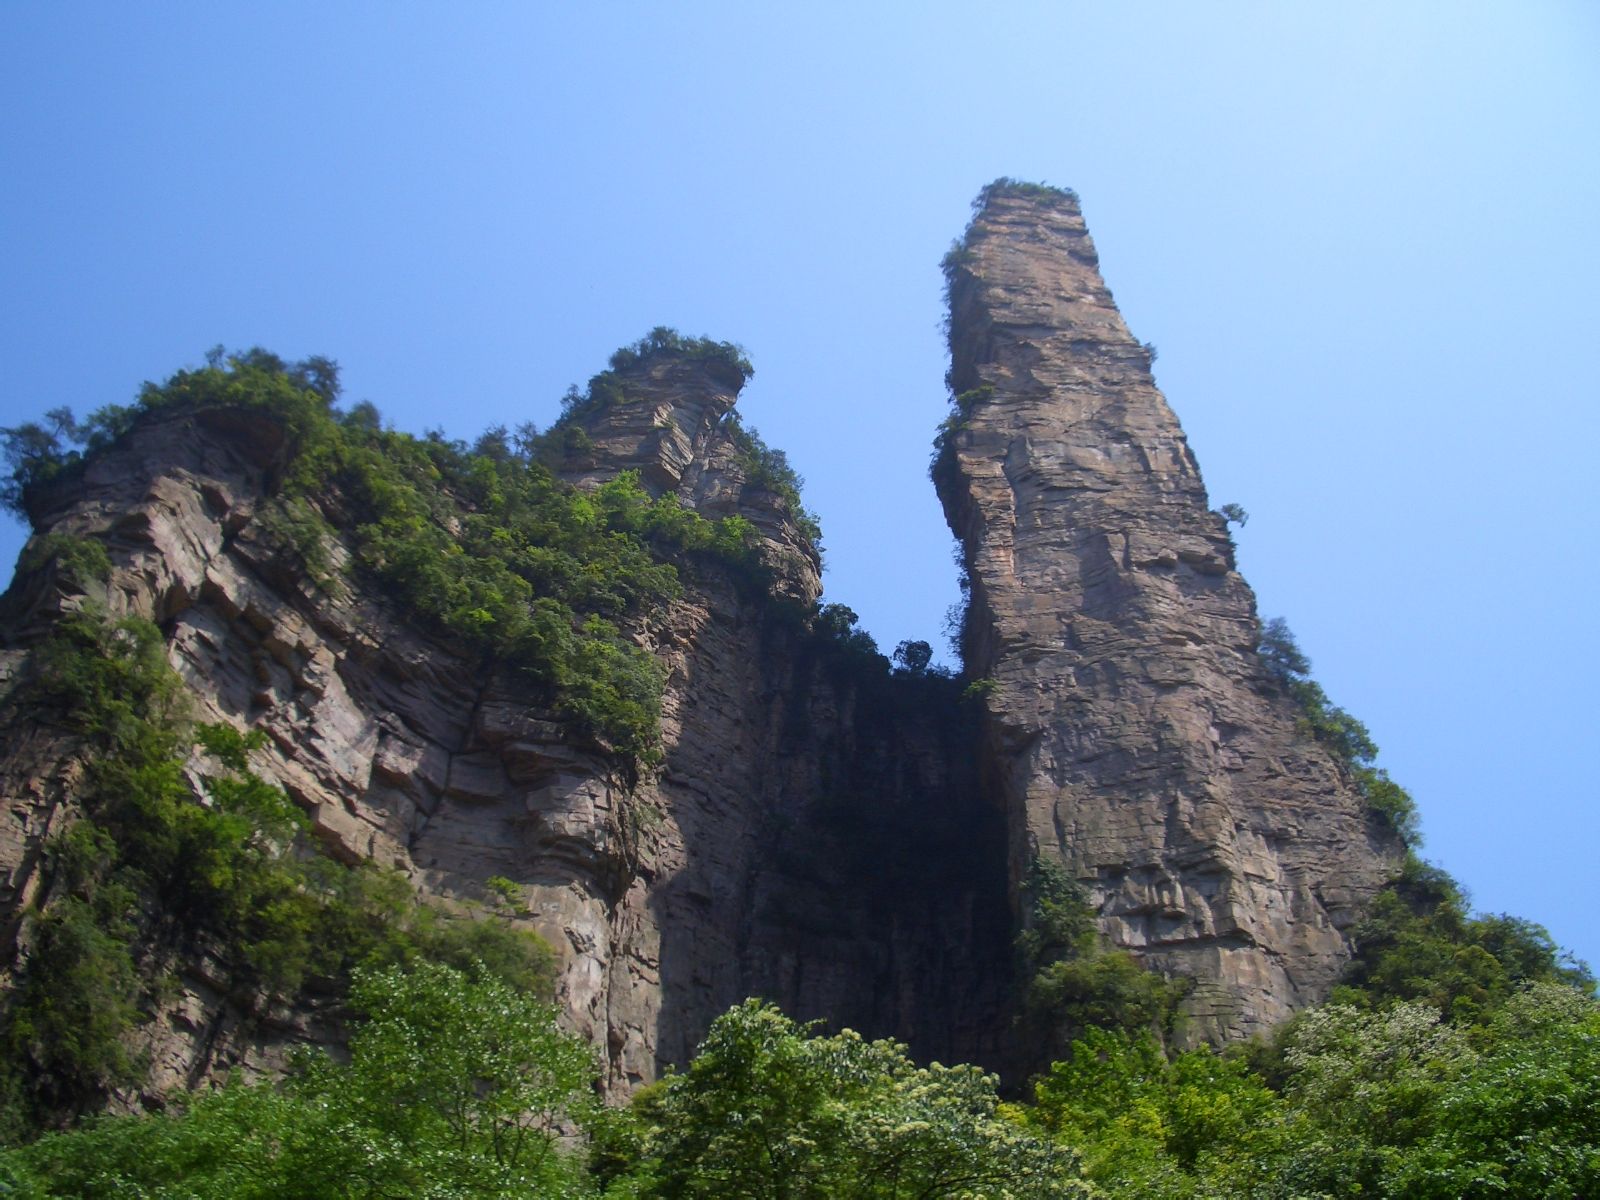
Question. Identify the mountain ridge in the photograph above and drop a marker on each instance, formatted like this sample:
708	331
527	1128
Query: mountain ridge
587	671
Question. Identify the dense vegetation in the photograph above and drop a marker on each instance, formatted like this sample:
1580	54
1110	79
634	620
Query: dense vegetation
1336	729
725	362
461	1087
483	543
457	1085
1460	1056
1457	1058
151	873
1073	981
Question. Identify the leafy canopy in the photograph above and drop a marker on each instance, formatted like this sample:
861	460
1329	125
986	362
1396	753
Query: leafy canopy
153	866
457	1085
769	1108
484	544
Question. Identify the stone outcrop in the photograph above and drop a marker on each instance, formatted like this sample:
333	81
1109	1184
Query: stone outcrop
814	835
1132	733
844	841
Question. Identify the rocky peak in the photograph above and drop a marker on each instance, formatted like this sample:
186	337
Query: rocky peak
657	416
849	842
1131	732
669	415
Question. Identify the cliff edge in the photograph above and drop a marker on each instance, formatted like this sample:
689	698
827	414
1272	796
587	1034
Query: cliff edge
580	684
1132	732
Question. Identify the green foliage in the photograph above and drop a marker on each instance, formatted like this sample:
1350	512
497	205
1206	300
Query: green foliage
1373	1077
79	561
1400	1103
956	257
1074	982
769	1109
724	362
1005	186
769	470
504	890
837	625
68	1019
1106	989
1418	941
913	657
455	1087
35	454
1523	1119
1059	923
1197	1125
978	689
960	414
501	555
1234	514
485	545
109	680
667	341
1281	653
1395	1102
1336	729
296	523
454	1082
150	864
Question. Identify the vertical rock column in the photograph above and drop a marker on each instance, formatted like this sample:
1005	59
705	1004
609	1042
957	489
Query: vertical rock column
1132	734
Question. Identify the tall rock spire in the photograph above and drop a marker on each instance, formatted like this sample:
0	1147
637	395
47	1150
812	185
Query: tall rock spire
1132	732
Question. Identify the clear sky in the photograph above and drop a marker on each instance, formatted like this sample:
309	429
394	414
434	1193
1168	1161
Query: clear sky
1364	237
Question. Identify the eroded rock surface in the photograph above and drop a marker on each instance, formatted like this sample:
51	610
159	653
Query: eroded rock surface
844	842
809	837
1132	734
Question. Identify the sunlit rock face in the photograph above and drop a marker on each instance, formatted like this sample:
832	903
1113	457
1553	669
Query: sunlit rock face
1132	733
844	842
812	836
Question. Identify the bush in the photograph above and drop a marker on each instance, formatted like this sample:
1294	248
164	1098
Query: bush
455	1086
1418	941
1287	665
80	562
485	545
1006	186
1073	981
663	340
151	868
769	470
944	449
769	1108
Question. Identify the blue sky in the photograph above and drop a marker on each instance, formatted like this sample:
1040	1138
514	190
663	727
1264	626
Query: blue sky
1363	237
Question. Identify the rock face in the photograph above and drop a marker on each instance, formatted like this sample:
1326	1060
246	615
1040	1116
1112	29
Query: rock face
1132	733
815	834
846	842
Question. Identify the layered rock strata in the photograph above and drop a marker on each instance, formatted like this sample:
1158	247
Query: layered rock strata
845	842
809	838
1132	733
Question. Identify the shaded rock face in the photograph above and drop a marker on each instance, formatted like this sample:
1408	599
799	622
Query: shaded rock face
815	834
846	843
1133	734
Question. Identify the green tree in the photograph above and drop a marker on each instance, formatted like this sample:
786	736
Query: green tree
913	657
455	1087
1524	1120
1074	982
768	1109
1198	1125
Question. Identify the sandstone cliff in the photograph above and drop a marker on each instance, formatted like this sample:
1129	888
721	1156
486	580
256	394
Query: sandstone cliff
813	834
1132	733
843	840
